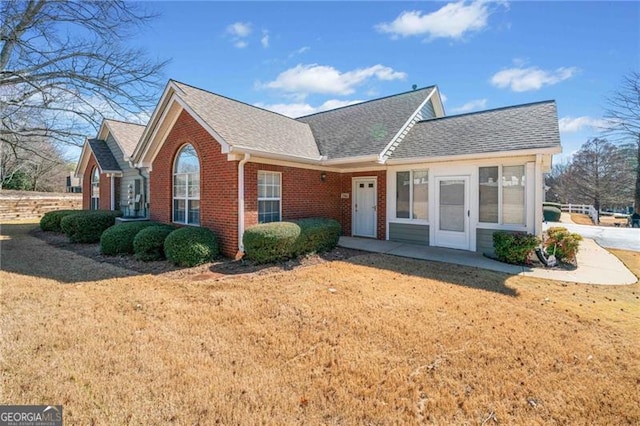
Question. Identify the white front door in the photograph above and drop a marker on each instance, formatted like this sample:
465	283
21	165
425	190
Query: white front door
364	207
452	212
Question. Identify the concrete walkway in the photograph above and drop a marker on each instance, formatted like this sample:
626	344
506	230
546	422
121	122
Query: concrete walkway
595	264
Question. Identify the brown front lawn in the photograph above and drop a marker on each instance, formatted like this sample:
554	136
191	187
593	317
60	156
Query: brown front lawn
373	339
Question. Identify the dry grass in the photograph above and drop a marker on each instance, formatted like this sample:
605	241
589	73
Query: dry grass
373	340
581	219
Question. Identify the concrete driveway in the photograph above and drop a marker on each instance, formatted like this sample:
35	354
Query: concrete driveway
606	236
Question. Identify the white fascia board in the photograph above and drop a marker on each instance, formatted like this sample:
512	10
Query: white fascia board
147	157
412	117
273	155
438	105
83	160
152	124
350	160
485	155
103	131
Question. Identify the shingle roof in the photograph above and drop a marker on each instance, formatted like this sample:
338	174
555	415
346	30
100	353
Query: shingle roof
248	126
505	129
126	134
365	128
104	156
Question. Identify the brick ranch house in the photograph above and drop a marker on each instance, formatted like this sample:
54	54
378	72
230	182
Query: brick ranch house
393	168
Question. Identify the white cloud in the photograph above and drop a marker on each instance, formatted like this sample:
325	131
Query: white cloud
532	78
240	44
443	97
265	39
239	29
453	20
300	109
473	105
314	78
573	125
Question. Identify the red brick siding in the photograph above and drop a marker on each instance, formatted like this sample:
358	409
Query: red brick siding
105	187
218	182
347	203
304	194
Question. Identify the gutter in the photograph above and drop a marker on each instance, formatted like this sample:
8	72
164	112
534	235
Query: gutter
471	156
241	164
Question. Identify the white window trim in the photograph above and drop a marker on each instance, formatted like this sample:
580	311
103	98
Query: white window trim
279	199
500	224
95	183
410	219
186	197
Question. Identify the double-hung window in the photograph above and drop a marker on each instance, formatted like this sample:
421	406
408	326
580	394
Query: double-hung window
95	189
412	194
269	196
186	187
502	195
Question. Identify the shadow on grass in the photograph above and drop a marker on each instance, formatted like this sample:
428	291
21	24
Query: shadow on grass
26	250
465	276
22	252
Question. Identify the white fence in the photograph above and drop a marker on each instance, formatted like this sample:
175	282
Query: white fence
583	209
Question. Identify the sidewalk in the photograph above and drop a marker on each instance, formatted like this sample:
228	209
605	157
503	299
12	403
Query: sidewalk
595	264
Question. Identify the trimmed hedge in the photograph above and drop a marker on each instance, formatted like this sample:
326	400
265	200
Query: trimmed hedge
270	242
317	235
148	244
551	214
514	247
118	239
88	225
191	246
562	243
50	222
276	241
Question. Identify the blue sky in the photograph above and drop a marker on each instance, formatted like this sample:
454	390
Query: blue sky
300	57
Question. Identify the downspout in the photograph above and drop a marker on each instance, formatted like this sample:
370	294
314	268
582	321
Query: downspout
113	192
538	185
241	164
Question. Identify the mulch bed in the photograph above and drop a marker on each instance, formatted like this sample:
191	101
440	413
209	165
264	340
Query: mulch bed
217	270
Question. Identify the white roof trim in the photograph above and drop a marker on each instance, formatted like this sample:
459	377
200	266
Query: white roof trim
273	155
412	117
157	112
148	146
152	149
472	156
83	160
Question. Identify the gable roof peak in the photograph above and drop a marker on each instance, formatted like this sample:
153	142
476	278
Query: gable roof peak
428	90
179	84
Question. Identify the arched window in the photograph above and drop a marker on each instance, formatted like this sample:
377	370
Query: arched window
95	189
186	187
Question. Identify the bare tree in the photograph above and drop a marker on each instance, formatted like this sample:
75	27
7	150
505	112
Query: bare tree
599	175
20	169
64	65
623	115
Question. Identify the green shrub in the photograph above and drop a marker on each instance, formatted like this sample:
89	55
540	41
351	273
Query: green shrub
87	226
191	246
317	235
148	244
514	247
118	239
551	214
51	220
270	242
562	243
